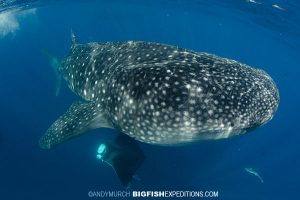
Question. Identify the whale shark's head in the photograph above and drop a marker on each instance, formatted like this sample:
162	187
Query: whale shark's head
267	98
184	96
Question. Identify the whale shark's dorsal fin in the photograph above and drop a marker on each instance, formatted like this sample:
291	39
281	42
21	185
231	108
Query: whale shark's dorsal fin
79	118
73	38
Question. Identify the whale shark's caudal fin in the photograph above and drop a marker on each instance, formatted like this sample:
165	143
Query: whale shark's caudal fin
54	63
79	118
73	38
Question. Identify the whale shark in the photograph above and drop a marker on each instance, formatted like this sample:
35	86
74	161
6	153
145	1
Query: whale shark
160	94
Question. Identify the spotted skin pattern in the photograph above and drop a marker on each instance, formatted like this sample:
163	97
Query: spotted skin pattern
162	94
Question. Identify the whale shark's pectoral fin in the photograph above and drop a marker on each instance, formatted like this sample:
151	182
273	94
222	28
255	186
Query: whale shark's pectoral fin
79	118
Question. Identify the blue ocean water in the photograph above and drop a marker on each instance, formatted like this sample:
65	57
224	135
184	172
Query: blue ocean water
264	34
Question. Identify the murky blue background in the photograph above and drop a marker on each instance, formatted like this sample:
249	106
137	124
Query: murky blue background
265	34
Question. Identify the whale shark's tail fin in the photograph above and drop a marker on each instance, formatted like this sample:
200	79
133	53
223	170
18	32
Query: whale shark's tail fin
124	155
54	63
73	38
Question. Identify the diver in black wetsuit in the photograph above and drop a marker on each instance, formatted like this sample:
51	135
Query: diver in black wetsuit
124	155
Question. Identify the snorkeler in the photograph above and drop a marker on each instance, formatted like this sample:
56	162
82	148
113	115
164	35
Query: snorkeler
123	155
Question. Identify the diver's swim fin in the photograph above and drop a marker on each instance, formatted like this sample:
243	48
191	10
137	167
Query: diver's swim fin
124	155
